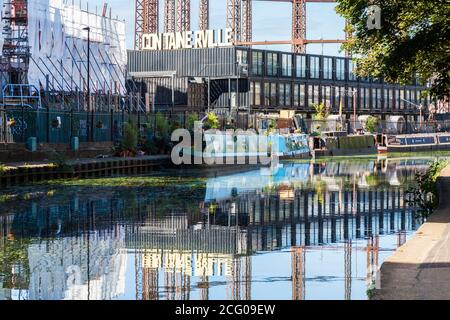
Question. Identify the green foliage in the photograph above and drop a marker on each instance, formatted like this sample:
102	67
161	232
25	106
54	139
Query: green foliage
135	182
192	118
425	194
272	126
371	124
162	126
211	122
14	253
371	290
2	169
414	38
321	111
130	137
372	180
150	147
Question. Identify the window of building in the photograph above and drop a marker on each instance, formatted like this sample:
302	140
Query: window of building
326	96
300	66
257	63
257	101
314	67
374	98
242	59
273	94
391	104
328	68
267	94
286	65
351	71
272	64
340	69
311	100
339	97
364	98
402	99
414	97
302	95
255	93
350	94
396	98
242	56
407	98
379	98
281	87
296	95
385	102
287	95
284	94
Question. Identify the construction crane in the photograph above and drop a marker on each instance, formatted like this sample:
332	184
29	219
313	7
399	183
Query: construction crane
146	20
203	16
239	18
298	40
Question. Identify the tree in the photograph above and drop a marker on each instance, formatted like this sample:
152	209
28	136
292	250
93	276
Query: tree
414	38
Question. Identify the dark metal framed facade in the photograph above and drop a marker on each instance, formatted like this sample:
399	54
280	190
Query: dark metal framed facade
284	80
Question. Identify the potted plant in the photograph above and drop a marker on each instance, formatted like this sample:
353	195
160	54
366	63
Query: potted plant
55	123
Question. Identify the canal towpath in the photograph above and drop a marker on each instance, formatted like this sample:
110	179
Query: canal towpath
420	269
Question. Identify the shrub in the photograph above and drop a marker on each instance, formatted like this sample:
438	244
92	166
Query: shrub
130	137
212	121
192	118
162	126
425	194
371	124
321	111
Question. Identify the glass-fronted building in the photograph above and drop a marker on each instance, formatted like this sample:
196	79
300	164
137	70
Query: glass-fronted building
262	80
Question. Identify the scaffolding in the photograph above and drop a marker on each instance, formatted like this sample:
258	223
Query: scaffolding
16	50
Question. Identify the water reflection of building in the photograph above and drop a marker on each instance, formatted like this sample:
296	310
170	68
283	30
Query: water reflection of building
183	250
88	267
175	251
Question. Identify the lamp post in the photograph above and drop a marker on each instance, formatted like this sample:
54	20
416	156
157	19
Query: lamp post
420	107
91	132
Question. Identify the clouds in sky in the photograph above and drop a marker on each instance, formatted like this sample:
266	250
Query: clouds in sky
271	21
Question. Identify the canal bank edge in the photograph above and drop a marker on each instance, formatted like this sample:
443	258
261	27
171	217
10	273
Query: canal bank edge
420	269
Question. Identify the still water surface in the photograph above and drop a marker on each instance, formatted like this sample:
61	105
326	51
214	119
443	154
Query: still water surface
311	231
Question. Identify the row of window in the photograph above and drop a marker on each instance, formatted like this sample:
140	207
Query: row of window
272	94
278	64
274	64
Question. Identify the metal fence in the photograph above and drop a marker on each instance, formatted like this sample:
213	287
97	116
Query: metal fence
59	126
56	126
385	127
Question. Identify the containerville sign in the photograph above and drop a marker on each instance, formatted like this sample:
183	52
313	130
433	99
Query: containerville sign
187	40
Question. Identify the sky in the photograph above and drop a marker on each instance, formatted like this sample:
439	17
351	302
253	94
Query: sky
271	21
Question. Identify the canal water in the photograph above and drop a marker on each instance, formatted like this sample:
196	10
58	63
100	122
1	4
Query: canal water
316	230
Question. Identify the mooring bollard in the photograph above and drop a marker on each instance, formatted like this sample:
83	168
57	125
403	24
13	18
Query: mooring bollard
32	144
75	144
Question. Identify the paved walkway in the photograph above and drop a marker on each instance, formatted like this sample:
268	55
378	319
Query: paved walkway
420	269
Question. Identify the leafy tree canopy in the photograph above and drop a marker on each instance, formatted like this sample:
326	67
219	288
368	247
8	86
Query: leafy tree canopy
414	38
